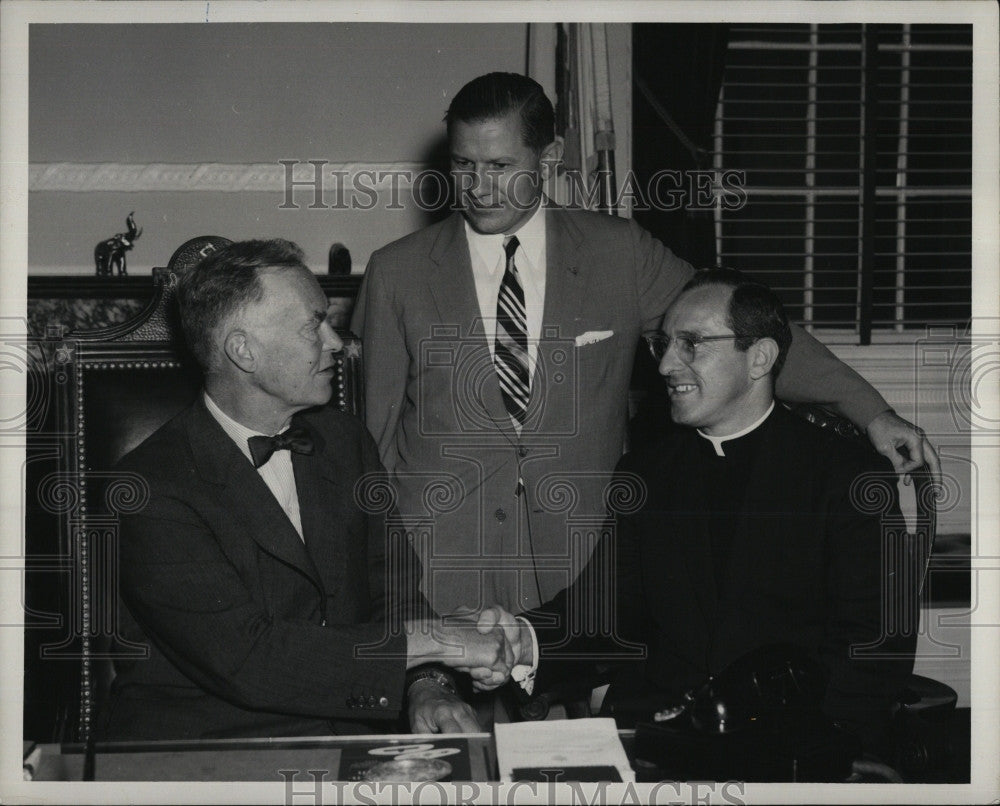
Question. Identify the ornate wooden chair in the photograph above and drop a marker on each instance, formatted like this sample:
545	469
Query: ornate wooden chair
924	712
105	392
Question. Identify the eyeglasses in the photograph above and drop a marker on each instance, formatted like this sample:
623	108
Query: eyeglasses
687	346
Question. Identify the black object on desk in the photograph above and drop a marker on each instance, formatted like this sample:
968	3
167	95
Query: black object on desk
819	752
758	719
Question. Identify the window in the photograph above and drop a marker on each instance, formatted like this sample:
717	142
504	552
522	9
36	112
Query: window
856	144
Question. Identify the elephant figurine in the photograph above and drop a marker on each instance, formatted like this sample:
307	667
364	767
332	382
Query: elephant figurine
109	255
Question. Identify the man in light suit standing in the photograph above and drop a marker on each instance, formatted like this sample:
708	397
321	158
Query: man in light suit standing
498	352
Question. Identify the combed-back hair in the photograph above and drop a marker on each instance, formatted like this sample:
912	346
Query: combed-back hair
225	282
755	312
495	95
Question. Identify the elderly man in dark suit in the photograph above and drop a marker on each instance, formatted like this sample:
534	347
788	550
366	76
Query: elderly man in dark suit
498	350
273	604
763	538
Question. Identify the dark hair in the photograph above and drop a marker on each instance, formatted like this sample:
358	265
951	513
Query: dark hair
755	312
495	95
223	283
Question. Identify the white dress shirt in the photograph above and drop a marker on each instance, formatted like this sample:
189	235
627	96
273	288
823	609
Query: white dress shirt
277	472
489	261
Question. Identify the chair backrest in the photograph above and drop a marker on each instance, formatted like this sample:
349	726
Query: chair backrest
908	546
925	491
112	389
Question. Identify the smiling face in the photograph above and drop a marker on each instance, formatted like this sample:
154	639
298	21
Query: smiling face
497	176
717	391
290	339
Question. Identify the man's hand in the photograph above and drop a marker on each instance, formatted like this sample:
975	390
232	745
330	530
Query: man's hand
889	432
434	709
458	643
518	638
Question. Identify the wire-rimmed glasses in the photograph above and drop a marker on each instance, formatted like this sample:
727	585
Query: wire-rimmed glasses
687	346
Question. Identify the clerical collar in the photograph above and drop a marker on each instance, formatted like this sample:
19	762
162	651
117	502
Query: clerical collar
717	441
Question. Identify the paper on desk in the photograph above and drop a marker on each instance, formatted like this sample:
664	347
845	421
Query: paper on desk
560	743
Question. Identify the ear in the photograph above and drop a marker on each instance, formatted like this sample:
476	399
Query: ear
239	350
763	354
551	156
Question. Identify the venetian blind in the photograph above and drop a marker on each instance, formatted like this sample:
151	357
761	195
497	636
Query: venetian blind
855	142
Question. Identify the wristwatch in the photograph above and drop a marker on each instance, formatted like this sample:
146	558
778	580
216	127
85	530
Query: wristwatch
437	676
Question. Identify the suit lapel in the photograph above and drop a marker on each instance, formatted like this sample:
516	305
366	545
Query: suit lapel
454	291
565	271
243	493
321	498
451	283
566	276
565	296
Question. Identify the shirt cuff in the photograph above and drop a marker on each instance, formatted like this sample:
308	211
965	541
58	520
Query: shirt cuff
523	673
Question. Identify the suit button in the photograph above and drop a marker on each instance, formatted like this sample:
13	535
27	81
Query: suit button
383	702
522	451
322	623
371	702
500	515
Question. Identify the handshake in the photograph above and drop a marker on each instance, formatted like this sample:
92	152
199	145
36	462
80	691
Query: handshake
486	645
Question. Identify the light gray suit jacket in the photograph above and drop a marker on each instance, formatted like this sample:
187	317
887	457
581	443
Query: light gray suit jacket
434	407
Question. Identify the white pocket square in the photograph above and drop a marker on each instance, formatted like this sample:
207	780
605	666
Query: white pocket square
593	336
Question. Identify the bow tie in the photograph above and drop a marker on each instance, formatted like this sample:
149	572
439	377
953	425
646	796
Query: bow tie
294	439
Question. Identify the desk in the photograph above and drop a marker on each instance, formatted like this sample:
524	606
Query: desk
341	758
264	759
471	755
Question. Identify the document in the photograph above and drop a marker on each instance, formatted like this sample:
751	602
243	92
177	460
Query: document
561	750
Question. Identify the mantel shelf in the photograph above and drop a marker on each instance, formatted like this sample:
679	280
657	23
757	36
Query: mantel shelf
140	286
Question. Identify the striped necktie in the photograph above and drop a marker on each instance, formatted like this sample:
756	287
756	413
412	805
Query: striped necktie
510	353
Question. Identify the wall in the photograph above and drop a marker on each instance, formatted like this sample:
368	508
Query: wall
248	94
928	383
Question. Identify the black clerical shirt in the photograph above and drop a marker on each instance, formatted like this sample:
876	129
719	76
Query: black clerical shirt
725	478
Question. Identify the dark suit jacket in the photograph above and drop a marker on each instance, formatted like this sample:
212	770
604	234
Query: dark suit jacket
434	407
806	568
252	633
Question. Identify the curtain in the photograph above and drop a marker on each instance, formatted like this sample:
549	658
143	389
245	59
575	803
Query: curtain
680	66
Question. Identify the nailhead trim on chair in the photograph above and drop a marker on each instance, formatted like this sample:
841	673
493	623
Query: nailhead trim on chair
76	354
82	536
